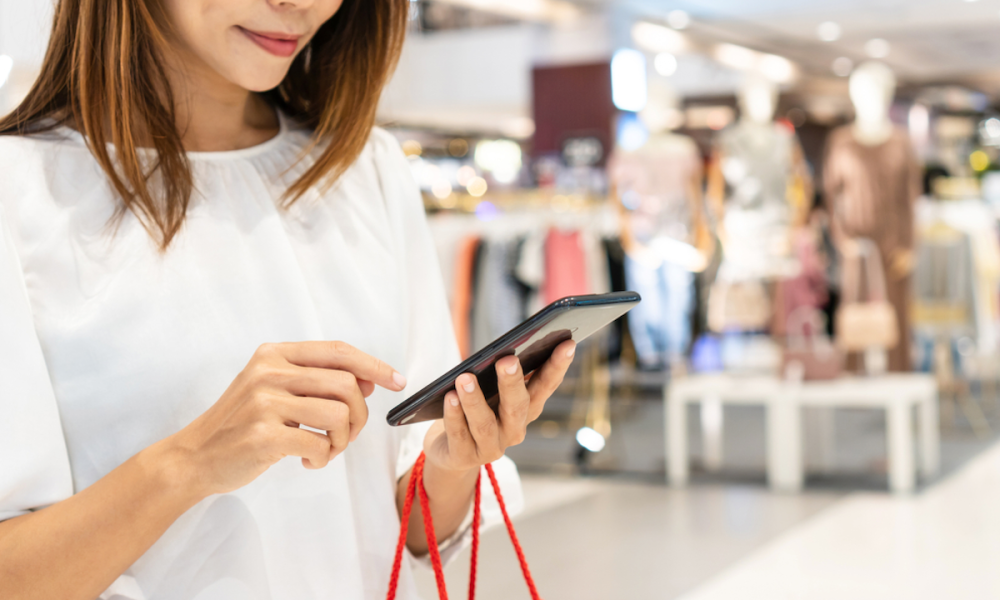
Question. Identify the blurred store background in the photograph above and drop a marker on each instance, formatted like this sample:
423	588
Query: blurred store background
806	194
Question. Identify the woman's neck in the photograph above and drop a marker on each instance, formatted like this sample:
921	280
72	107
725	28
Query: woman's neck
215	115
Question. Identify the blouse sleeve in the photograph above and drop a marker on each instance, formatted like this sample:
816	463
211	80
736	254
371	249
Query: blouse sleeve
431	347
34	465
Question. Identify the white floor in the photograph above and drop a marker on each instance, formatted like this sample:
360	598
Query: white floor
943	543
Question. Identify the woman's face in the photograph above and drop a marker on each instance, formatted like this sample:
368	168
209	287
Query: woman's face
251	43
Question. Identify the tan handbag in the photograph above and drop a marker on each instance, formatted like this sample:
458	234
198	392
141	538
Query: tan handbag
738	306
865	324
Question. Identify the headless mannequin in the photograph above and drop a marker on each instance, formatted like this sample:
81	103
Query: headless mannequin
872	180
657	188
779	183
663	144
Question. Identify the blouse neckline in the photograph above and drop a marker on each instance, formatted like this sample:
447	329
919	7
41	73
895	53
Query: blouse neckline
284	130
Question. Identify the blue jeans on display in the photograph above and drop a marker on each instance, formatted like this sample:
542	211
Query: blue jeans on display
661	324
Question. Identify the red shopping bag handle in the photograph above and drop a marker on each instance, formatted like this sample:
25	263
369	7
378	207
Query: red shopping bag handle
411	491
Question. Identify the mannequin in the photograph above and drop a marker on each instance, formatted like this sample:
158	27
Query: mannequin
657	188
758	188
872	180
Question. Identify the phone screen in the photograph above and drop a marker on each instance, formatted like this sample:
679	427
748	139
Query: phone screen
533	341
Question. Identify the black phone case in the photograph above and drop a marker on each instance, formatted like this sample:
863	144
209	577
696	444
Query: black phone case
533	341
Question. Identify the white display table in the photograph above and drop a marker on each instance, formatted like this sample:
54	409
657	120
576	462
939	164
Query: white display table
897	394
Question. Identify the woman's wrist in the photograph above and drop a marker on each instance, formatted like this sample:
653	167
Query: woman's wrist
440	479
172	470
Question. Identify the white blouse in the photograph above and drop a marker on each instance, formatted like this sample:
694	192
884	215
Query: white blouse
107	346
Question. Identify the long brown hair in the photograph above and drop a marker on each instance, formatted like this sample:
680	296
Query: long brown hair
103	73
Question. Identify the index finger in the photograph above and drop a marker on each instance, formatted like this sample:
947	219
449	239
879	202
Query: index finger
344	357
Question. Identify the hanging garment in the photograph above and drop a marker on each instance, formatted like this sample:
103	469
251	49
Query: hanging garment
461	310
498	298
871	191
565	266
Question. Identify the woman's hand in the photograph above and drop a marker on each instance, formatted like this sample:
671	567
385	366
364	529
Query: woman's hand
471	434
256	421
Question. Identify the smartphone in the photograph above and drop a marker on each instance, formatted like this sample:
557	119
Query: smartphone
572	318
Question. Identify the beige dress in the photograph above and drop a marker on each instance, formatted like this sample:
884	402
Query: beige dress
871	191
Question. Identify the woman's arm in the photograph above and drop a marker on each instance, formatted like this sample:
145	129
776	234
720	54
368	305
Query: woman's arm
471	435
76	548
450	494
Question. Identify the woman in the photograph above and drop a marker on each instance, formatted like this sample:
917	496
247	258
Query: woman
192	185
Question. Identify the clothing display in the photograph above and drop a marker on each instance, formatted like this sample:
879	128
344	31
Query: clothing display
654	183
756	163
506	272
871	191
110	345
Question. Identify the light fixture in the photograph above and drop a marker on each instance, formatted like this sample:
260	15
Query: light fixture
477	187
657	38
679	19
465	175
665	64
842	66
6	64
441	189
736	57
877	48
776	68
502	158
828	31
628	80
590	439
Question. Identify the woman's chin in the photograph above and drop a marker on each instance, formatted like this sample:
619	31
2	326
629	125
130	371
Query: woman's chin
260	83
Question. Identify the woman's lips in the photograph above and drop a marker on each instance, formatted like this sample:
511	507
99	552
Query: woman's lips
278	44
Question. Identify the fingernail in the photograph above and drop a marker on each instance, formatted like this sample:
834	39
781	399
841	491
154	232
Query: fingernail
399	379
512	368
452	398
466	382
571	351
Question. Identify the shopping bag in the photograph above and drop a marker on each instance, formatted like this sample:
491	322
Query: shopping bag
738	306
809	347
865	324
416	486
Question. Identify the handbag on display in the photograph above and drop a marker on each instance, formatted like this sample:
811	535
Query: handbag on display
415	487
865	324
738	306
809	347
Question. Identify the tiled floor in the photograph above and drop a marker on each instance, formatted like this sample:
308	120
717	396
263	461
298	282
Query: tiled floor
944	543
629	536
611	540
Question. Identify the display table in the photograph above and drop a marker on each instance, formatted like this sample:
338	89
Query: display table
897	394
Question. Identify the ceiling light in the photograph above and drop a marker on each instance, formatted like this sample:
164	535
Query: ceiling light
877	48
665	64
628	80
6	64
828	31
657	38
776	68
736	57
843	66
678	19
